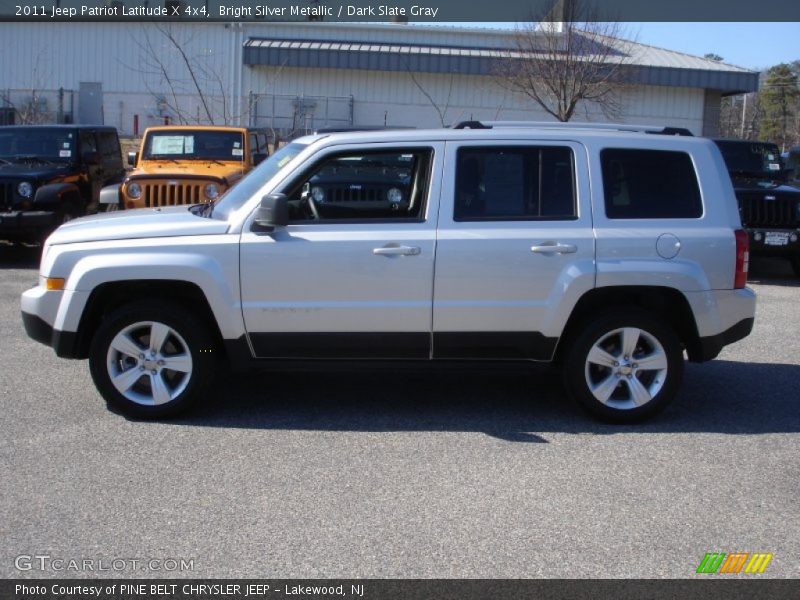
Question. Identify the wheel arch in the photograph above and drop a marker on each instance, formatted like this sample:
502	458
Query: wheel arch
107	297
664	302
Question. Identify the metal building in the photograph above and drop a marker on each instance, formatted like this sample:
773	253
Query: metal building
293	77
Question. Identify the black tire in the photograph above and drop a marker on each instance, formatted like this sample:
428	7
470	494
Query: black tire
175	389
633	391
795	260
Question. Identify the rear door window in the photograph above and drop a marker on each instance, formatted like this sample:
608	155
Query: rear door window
649	184
515	183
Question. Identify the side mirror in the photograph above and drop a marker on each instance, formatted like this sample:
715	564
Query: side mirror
92	158
272	212
133	157
259	157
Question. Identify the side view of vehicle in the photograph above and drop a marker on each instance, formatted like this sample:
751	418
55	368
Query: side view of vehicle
614	251
50	174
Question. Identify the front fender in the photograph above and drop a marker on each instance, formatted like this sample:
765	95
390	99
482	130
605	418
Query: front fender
51	195
206	273
110	197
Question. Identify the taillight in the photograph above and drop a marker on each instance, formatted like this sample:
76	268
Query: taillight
742	258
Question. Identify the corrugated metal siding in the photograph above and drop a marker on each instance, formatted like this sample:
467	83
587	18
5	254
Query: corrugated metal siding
711	113
53	55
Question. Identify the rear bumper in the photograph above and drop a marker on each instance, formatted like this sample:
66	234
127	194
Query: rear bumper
774	242
710	346
65	343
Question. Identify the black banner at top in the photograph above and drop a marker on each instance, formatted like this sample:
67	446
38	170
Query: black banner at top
428	11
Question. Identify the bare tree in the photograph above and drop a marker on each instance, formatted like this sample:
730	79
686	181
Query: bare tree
568	58
30	104
173	75
441	107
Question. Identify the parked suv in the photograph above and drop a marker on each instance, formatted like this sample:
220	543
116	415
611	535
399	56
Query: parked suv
187	164
610	251
769	206
50	174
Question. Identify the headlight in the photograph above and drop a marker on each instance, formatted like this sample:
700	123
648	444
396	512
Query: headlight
394	196
318	194
134	190
211	191
25	189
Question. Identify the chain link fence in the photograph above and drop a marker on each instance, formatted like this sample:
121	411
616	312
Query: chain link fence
287	117
33	107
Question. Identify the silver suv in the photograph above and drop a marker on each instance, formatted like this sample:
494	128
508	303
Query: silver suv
609	249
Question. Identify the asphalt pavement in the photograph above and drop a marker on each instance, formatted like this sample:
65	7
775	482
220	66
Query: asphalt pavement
400	474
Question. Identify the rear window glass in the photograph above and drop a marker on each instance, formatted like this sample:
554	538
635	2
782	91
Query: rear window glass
650	184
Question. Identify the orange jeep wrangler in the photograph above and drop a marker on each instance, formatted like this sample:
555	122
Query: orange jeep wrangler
188	164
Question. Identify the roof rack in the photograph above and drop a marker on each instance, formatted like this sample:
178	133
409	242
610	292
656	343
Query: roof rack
356	128
660	130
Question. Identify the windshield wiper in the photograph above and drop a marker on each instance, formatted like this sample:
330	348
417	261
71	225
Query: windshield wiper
3	160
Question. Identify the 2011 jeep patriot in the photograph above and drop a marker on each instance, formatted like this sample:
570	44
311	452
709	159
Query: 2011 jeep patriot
610	251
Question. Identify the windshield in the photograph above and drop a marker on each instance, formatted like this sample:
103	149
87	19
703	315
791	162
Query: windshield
244	190
752	159
194	145
42	143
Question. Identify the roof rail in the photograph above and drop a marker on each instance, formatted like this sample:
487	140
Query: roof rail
356	128
661	130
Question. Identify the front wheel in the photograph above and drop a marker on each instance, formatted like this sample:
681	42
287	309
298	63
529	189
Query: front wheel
150	359
625	366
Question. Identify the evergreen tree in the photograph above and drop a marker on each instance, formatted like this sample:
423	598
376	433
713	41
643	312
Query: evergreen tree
779	99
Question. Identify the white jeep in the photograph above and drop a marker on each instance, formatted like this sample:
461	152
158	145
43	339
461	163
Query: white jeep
610	249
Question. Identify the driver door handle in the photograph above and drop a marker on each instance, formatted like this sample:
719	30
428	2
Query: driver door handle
394	250
554	248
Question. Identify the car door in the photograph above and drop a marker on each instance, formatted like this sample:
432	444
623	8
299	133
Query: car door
351	276
515	248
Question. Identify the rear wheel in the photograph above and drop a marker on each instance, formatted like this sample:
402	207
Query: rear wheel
150	359
624	366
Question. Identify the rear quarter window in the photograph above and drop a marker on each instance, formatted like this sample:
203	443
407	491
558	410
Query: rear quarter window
650	184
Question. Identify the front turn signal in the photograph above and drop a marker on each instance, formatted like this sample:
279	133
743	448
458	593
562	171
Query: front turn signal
54	284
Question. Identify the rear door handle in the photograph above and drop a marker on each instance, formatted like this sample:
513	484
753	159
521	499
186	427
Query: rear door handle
554	248
395	250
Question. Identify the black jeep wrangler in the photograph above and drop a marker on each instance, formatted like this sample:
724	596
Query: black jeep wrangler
50	174
769	208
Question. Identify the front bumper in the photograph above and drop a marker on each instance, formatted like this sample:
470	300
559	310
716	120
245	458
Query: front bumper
22	222
774	242
65	343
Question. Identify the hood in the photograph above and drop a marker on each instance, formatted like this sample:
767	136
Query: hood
133	224
196	168
33	171
741	184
